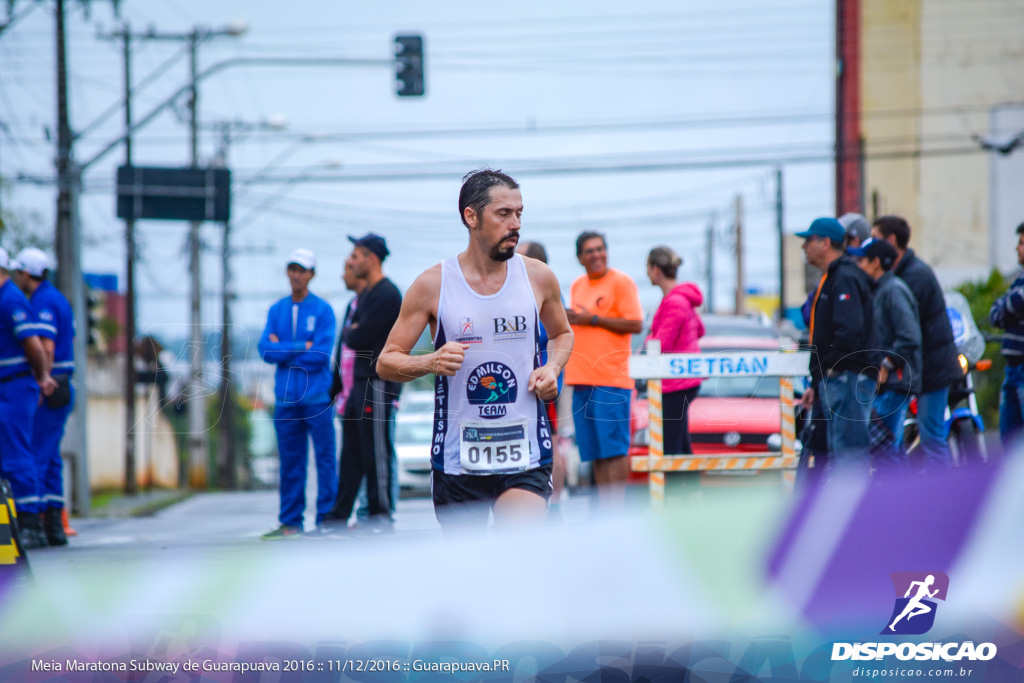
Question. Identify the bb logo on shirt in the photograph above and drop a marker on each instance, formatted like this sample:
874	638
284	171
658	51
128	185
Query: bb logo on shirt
491	387
510	329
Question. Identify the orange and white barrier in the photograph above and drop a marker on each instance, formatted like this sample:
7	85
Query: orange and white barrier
655	366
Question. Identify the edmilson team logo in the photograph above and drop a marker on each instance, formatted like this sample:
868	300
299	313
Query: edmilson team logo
492	386
916	595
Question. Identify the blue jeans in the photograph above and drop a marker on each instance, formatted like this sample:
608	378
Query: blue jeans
931	423
848	397
1011	404
892	407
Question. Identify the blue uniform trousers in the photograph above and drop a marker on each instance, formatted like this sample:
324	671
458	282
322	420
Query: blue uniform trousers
18	401
295	424
47	432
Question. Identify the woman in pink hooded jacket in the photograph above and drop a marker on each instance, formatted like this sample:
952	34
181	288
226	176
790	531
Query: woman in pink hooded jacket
678	327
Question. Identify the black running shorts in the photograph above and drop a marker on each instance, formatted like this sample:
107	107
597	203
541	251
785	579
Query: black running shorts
461	498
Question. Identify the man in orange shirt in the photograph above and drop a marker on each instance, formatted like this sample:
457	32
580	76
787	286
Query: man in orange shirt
605	311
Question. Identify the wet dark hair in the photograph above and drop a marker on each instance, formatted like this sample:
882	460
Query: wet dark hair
665	260
536	250
588	235
476	189
894	225
1020	229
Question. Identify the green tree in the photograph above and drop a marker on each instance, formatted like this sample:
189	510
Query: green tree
982	294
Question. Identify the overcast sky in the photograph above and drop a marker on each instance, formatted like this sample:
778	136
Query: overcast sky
556	88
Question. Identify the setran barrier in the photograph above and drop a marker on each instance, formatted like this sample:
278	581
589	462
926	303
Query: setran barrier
655	366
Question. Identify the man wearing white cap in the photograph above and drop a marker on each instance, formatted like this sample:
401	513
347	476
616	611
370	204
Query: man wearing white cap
55	325
298	340
23	373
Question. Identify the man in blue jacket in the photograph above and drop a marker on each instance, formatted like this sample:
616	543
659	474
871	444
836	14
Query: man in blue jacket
940	365
1008	314
24	372
842	345
55	326
298	340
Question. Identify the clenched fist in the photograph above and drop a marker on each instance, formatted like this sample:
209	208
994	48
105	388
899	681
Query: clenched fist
544	382
448	359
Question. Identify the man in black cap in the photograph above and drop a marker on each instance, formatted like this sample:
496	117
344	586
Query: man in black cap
898	335
366	449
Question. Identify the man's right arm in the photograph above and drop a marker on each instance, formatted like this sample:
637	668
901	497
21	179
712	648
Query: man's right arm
1008	310
396	362
36	356
275	352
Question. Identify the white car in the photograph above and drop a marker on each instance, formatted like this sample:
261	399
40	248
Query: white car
413	434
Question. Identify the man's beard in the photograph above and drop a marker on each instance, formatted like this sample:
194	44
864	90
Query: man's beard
501	253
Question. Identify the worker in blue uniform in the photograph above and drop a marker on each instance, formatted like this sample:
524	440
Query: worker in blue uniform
55	326
23	374
298	339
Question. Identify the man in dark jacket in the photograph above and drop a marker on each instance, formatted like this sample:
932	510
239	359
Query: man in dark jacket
897	333
939	355
366	446
1008	314
842	345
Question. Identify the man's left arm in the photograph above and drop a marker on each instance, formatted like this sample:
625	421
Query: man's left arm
318	351
544	380
630	318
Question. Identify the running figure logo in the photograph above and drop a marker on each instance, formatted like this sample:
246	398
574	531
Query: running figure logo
914	613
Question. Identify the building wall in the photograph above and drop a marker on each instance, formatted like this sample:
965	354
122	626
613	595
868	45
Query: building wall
945	65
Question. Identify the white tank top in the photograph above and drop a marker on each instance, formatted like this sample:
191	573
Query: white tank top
484	417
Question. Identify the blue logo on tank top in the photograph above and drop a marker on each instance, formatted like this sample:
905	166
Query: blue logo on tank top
491	387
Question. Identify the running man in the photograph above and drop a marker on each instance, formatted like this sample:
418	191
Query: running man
915	606
492	439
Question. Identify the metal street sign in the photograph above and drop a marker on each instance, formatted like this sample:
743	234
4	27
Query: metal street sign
176	194
731	364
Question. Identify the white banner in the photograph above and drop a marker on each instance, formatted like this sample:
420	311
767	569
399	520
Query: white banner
726	364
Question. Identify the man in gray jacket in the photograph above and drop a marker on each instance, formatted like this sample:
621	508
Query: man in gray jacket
897	333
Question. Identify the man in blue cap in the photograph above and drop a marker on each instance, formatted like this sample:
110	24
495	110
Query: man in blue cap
367	450
843	368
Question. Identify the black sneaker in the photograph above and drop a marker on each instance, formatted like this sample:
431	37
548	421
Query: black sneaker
53	525
285	531
30	531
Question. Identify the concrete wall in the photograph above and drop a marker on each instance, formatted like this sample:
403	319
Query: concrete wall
945	65
156	450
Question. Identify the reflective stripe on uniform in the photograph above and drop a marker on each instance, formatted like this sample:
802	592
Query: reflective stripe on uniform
12	361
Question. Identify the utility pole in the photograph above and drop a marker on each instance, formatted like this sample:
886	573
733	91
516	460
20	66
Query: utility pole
779	220
197	405
710	246
740	286
226	445
130	478
67	244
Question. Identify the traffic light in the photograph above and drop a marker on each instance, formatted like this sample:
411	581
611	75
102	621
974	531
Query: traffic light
409	66
95	303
